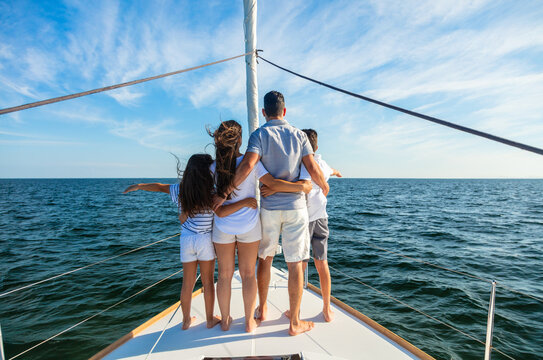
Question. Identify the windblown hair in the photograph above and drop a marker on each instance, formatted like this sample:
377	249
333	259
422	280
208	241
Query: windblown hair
227	142
312	136
274	103
196	188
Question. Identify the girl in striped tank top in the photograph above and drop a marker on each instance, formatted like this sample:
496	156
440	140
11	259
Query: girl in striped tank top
193	197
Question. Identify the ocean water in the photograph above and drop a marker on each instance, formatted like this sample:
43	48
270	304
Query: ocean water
489	228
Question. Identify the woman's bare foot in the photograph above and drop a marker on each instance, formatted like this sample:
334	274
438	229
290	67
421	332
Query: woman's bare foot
251	325
328	314
261	312
214	321
188	323
225	323
300	328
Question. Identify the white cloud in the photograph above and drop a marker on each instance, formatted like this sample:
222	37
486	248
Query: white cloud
39	142
472	62
159	135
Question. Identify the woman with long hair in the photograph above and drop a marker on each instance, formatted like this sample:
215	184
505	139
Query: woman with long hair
237	222
193	197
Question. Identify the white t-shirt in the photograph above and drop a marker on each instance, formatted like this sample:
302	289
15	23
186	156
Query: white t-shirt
245	218
201	223
316	201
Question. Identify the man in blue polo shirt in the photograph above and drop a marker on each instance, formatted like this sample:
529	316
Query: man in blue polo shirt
282	149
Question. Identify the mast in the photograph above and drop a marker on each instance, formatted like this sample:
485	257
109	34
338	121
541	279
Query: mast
249	24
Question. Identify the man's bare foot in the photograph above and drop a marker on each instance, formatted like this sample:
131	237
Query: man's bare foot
261	312
188	323
328	314
252	324
303	326
225	323
214	321
287	314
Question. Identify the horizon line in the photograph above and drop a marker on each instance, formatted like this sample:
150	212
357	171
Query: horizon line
335	178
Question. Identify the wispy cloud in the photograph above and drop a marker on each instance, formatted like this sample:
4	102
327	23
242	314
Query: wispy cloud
473	62
39	142
160	135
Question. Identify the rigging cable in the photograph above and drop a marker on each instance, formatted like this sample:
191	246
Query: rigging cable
416	114
453	271
84	267
95	315
112	87
419	311
165	326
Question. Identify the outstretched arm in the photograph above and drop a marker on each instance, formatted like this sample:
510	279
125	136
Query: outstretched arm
155	187
273	185
316	173
229	209
336	173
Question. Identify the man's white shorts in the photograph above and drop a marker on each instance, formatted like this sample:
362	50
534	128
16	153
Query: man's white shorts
196	247
292	225
255	234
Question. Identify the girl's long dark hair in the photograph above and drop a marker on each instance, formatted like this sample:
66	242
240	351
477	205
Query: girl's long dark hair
227	142
196	188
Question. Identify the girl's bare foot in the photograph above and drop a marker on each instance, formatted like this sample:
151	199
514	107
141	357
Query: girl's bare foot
251	325
261	312
213	321
225	323
300	328
188	323
328	314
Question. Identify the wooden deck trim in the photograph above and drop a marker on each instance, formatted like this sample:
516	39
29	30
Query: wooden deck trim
376	326
107	350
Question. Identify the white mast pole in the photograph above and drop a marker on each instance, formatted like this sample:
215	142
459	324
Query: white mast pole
249	7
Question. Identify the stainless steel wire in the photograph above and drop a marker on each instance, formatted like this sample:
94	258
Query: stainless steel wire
165	326
429	263
419	311
453	271
95	315
407	305
84	267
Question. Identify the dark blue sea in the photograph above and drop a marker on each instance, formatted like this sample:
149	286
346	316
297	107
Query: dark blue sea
492	229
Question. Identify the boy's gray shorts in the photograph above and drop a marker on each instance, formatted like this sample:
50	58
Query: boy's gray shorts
318	234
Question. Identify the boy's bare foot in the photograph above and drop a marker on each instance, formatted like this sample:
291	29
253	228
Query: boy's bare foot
252	324
188	323
328	314
225	323
261	312
303	326
214	321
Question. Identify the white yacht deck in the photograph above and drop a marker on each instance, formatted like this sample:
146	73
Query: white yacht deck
350	336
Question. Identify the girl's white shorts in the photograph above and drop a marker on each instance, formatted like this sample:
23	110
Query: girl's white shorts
196	247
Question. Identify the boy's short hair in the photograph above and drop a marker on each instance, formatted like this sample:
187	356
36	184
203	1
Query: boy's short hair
312	136
274	103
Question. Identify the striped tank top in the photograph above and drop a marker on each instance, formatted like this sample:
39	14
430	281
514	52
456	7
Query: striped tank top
201	223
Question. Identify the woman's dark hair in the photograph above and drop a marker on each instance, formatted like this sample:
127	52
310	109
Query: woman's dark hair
227	142
312	136
196	188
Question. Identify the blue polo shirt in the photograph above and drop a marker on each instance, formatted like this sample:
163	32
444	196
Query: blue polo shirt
281	147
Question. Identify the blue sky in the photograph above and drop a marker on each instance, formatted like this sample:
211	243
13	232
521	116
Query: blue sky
476	63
